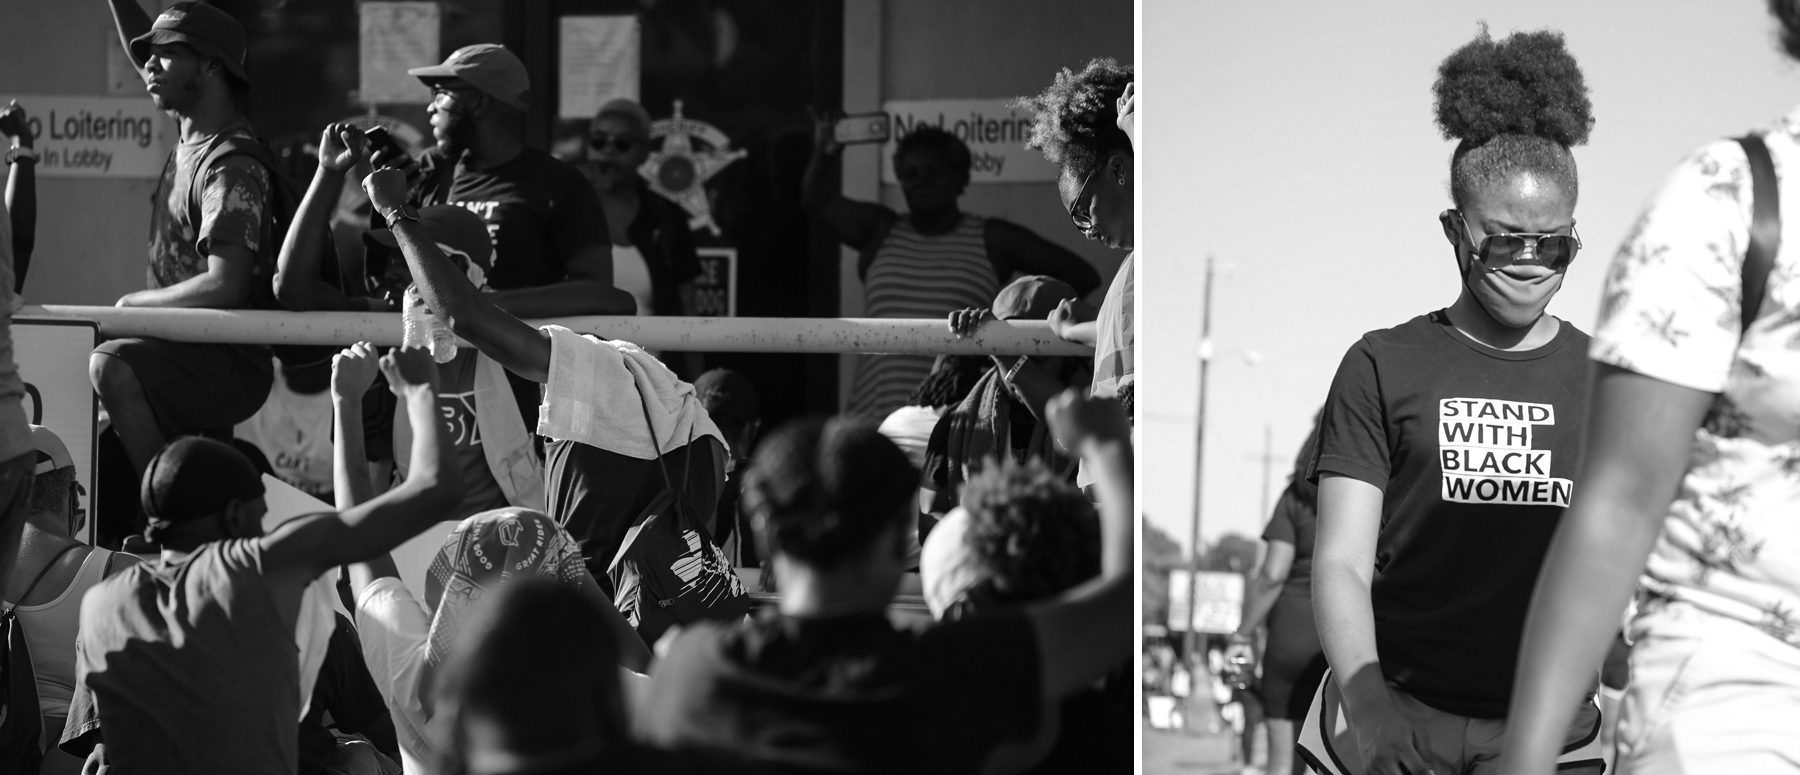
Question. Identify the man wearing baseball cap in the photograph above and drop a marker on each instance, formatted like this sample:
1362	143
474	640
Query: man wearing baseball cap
497	461
213	235
552	249
187	663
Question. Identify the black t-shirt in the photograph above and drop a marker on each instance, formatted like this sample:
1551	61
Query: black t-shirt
539	211
1474	449
1294	522
849	694
596	494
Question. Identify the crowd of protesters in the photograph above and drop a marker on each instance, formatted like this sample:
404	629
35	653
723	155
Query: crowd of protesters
585	612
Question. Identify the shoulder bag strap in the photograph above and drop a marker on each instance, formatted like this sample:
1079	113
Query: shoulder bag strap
45	571
1765	228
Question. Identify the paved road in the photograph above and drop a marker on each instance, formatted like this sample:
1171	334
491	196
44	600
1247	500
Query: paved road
1196	750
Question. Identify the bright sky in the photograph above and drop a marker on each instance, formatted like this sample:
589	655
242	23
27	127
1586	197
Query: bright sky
1295	142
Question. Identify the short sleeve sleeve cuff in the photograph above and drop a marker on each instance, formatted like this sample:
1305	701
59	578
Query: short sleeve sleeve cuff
1670	309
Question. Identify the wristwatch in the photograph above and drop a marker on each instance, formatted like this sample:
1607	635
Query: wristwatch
401	213
19	154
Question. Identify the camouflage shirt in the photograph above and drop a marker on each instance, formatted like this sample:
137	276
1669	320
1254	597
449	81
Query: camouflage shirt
235	209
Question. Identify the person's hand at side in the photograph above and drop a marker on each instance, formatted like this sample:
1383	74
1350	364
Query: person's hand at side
965	322
353	371
1390	743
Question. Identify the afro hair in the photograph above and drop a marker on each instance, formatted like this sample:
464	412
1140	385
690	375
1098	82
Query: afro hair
1077	117
1787	13
1036	533
1516	105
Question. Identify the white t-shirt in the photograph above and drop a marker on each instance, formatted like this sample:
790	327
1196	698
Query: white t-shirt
909	427
293	430
631	274
1730	543
394	628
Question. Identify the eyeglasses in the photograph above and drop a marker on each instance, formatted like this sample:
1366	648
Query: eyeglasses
1078	212
1498	251
601	141
438	93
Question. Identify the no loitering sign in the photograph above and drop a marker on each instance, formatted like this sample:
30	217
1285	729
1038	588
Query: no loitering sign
995	134
95	137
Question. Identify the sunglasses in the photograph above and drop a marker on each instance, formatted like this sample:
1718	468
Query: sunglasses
1497	251
1084	220
601	141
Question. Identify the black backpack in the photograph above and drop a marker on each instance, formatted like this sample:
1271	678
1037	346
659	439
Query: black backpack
21	725
1765	229
286	201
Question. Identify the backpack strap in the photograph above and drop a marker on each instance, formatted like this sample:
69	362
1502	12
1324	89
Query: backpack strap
1765	228
687	465
42	572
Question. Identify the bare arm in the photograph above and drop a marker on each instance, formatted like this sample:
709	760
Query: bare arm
1087	630
1640	433
297	283
131	21
1266	586
224	285
447	291
1076	321
855	223
587	291
307	547
1343	572
21	193
1014	248
351	374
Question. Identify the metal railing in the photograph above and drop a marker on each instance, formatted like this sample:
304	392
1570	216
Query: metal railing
676	334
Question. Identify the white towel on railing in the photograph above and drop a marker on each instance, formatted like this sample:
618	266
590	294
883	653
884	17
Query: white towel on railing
593	397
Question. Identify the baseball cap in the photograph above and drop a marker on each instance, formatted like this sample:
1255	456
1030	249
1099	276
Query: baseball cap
194	476
52	454
451	226
728	397
488	67
209	31
1032	297
627	108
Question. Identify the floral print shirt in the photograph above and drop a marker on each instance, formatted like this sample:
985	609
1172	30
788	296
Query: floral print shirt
235	200
1730	543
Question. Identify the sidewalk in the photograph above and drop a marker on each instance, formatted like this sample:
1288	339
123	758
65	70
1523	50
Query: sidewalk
1194	750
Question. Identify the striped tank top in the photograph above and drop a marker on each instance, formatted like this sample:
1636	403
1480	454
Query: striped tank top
918	276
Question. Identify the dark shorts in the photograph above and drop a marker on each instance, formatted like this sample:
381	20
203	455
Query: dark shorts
197	387
1293	660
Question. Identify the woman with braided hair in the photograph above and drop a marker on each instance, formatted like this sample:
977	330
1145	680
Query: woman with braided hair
1448	443
1688	495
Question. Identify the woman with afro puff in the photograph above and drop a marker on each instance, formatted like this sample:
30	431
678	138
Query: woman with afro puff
1085	124
1448	445
1691	486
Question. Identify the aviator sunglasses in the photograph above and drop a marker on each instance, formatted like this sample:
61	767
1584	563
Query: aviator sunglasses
600	141
1497	251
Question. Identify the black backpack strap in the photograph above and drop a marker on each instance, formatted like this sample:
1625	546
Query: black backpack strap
1765	228
687	466
45	571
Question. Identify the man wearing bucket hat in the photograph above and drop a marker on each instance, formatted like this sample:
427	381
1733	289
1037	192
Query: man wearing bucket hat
213	235
552	252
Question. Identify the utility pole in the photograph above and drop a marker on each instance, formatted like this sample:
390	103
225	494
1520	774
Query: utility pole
1205	354
1268	461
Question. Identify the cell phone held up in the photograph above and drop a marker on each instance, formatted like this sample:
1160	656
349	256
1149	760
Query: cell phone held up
384	151
862	128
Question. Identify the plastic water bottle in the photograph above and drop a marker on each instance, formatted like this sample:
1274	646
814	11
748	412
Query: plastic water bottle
423	329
